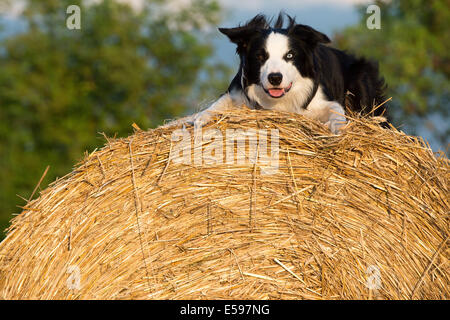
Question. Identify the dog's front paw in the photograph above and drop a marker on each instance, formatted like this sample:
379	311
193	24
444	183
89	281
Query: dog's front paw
336	123
202	118
336	118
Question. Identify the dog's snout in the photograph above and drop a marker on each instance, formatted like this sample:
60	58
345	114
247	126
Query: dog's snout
275	78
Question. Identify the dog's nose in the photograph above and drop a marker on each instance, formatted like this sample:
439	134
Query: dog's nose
275	78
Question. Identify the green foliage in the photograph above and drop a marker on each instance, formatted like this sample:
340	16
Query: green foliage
60	87
413	48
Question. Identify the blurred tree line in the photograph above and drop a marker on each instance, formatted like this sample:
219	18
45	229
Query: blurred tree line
413	48
59	88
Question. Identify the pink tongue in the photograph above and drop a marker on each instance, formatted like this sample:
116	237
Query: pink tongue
276	92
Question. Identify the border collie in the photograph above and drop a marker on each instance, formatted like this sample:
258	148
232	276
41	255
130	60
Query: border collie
291	69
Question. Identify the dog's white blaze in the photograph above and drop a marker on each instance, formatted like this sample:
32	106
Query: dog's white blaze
277	45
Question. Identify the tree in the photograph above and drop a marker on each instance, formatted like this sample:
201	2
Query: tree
60	87
413	48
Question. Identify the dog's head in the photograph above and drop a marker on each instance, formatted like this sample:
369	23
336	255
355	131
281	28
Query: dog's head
276	63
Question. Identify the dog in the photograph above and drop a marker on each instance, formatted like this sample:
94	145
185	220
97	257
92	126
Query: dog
293	69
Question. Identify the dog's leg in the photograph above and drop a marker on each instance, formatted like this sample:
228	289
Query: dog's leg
222	104
336	118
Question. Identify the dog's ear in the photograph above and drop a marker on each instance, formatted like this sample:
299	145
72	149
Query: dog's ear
309	35
240	35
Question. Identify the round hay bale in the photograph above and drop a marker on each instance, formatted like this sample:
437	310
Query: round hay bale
363	215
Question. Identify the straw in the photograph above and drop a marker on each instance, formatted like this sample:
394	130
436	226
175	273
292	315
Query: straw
362	215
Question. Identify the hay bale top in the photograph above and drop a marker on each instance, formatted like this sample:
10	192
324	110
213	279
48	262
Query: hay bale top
363	215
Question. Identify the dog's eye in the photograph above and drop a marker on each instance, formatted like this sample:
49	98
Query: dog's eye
289	56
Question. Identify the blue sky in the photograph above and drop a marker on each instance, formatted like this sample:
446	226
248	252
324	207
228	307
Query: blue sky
325	15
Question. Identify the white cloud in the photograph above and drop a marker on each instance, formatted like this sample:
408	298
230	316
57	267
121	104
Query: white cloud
12	10
258	4
286	4
135	4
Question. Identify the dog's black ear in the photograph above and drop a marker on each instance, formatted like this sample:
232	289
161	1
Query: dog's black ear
240	35
308	34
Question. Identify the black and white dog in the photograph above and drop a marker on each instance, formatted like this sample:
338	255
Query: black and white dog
291	69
